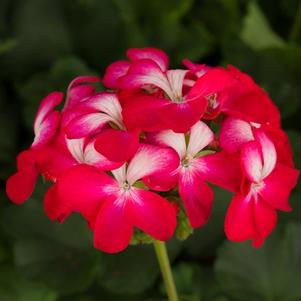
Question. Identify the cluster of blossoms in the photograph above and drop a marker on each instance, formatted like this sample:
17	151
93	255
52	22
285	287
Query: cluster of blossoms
136	156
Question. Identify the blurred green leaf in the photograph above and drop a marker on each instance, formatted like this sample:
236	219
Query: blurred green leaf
62	256
13	287
256	31
7	45
188	281
272	272
64	70
36	87
295	141
42	37
62	268
203	242
96	30
134	270
277	70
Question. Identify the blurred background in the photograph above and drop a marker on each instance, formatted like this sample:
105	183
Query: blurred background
43	45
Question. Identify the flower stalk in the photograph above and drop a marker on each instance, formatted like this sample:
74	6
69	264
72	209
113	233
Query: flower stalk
165	268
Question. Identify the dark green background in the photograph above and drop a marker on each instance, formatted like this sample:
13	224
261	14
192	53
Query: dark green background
43	45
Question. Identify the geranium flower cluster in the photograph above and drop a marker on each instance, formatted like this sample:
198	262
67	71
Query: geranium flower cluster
116	156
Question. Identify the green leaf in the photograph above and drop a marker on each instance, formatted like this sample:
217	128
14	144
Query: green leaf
188	281
96	30
13	287
41	37
272	272
37	86
295	141
7	45
203	242
277	70
64	70
256	31
65	269
134	270
59	255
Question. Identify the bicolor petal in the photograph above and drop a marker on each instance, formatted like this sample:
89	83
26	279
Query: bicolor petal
150	160
252	164
200	137
234	133
113	227
154	54
197	197
114	72
152	214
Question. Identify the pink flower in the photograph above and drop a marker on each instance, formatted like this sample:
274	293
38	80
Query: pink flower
93	116
196	167
252	215
20	186
162	92
114	205
95	155
80	89
232	92
234	133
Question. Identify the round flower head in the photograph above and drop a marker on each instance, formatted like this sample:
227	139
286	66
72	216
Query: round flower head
138	156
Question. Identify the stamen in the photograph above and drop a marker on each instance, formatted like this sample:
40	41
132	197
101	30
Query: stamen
126	186
186	161
212	101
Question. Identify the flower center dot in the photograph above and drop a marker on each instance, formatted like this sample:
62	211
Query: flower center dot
126	186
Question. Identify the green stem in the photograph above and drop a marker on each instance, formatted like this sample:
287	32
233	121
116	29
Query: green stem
163	260
296	27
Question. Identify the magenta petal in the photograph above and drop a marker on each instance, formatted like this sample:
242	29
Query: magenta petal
197	197
251	158
278	185
152	214
46	106
46	130
265	219
86	124
117	145
20	186
80	80
114	72
222	169
141	112
234	133
83	188
145	72
253	106
26	160
113	227
240	222
154	54
181	116
53	205
79	90
161	181
213	81
282	145
53	161
151	160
